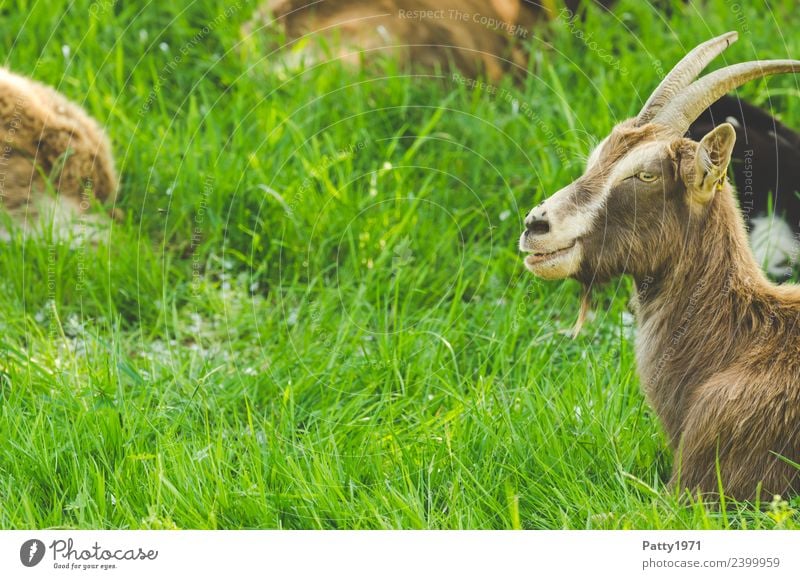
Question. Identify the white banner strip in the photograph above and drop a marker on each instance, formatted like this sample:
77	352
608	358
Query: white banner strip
400	554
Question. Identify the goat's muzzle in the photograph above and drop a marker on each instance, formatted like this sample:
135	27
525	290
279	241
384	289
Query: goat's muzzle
553	230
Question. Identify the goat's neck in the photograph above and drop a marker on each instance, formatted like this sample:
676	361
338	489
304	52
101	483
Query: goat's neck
689	312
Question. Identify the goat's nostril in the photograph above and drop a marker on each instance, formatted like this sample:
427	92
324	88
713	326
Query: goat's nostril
538	226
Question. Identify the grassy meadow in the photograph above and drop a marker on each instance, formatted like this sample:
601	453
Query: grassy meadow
313	313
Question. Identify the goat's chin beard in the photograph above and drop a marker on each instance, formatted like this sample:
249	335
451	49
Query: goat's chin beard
557	265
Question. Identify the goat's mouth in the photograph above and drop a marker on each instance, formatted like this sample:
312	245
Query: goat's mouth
538	257
553	264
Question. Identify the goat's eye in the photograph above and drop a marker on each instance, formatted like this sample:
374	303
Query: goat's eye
646	177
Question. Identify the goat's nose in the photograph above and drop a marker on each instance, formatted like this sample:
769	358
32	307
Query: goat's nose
537	223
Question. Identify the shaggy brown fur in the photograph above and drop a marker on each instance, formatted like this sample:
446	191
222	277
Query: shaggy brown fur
43	135
718	351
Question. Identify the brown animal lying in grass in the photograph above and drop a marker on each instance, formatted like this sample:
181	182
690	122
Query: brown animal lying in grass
718	346
54	159
479	36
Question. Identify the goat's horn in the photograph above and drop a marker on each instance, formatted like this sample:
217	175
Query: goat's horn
689	104
683	73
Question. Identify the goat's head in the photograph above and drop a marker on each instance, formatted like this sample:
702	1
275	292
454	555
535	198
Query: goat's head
645	181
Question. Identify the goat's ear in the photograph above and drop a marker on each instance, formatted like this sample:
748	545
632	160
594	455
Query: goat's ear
711	162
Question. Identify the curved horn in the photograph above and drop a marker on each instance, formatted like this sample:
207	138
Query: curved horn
689	104
683	73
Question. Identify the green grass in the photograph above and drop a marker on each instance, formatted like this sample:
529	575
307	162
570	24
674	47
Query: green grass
314	314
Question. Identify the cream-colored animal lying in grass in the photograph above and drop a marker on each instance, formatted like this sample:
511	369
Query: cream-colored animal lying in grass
55	161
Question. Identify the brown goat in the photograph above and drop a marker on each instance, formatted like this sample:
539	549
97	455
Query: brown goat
45	136
718	346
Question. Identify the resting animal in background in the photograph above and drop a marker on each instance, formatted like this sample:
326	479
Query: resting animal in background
43	136
427	33
718	346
